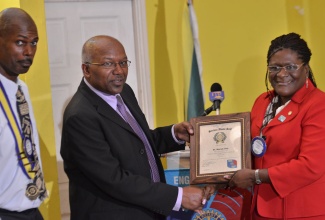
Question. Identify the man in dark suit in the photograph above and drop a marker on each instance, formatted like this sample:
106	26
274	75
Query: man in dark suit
111	172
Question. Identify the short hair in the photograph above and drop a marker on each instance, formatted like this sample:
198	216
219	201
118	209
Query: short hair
4	23
8	15
86	56
88	53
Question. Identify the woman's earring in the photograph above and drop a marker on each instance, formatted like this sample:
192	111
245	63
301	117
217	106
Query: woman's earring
306	82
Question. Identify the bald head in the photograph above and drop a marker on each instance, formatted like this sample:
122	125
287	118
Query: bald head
14	17
99	44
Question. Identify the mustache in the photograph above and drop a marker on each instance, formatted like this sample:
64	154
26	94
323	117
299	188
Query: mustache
26	61
119	77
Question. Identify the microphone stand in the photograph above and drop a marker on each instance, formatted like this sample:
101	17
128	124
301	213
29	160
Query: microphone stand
213	107
216	106
207	111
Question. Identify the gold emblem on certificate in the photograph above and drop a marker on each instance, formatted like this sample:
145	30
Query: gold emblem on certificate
219	137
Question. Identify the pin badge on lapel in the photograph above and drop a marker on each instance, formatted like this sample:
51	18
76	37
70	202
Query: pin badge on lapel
282	118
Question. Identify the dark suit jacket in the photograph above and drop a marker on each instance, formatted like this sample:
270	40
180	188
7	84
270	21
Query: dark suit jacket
106	162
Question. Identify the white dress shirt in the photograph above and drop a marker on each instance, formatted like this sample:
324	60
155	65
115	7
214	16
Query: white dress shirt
13	181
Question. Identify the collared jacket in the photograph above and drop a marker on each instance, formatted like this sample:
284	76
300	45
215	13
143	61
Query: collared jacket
294	157
108	170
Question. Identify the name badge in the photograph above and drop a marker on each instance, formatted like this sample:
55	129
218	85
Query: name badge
258	146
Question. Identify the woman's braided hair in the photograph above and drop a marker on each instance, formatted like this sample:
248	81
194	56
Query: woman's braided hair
293	42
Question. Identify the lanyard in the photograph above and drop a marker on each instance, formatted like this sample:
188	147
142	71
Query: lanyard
23	160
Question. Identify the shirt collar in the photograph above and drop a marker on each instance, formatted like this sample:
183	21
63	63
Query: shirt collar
108	98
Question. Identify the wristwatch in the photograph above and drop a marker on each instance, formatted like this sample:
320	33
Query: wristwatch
257	177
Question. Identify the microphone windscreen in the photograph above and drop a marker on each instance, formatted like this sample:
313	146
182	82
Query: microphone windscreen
215	87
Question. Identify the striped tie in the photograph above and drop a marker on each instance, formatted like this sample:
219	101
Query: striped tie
138	130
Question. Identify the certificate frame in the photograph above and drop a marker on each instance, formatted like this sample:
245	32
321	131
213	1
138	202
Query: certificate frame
227	141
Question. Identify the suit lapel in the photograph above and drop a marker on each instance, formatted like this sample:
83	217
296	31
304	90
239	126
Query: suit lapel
132	104
288	113
137	114
108	112
102	107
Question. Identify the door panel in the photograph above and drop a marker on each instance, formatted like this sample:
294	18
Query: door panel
69	25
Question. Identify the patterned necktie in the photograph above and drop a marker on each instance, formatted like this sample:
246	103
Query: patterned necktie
138	130
36	188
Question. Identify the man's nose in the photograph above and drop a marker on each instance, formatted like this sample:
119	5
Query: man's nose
29	50
117	69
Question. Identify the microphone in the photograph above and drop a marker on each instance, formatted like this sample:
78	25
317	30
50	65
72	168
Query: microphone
216	96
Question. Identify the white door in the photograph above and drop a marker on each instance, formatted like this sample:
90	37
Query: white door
69	25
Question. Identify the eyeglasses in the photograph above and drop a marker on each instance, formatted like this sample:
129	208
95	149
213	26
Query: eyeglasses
111	65
291	68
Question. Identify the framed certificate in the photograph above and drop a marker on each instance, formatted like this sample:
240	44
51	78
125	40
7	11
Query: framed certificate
220	145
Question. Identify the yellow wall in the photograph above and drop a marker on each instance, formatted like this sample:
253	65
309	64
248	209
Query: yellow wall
38	80
234	37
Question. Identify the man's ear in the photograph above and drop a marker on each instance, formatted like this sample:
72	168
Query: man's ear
85	70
